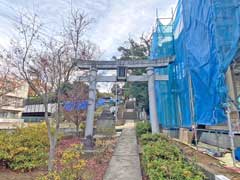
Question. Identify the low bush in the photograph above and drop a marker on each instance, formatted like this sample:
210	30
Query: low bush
150	138
143	128
24	149
71	165
172	170
163	160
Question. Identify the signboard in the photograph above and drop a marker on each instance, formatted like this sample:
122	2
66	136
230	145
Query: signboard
121	73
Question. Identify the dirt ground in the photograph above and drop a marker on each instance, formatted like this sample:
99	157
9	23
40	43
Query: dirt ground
6	174
207	162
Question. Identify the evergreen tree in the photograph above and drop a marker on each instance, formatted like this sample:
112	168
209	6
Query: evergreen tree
133	50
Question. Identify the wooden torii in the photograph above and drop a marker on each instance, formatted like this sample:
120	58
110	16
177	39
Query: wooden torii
122	66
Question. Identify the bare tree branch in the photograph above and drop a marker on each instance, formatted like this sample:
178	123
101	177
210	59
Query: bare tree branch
46	64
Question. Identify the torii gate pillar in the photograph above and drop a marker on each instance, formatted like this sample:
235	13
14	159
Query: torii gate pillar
152	100
91	102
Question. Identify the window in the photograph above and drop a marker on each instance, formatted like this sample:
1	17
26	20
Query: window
12	101
9	114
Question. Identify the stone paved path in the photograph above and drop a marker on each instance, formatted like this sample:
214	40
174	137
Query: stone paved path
125	163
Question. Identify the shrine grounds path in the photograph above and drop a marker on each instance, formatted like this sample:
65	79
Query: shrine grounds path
125	163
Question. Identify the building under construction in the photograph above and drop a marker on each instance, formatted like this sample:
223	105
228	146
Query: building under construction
203	90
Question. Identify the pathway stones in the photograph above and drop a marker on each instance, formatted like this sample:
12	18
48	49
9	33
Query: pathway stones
125	163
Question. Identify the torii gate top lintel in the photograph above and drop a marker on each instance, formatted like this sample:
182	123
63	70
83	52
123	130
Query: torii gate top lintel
130	64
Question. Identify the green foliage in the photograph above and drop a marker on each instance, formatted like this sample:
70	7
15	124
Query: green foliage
114	88
172	170
133	50
143	128
24	149
99	111
139	90
163	160
39	100
104	94
147	138
72	164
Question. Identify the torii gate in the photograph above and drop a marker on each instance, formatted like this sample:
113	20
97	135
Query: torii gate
121	66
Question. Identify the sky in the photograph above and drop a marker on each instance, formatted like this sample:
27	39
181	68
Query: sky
114	20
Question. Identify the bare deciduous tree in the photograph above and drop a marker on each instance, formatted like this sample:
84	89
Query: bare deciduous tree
47	64
76	96
75	28
77	24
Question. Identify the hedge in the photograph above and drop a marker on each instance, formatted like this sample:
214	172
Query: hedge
163	160
24	149
142	128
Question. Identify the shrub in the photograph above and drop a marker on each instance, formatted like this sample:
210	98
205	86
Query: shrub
143	128
71	163
147	138
161	150
24	149
163	160
174	170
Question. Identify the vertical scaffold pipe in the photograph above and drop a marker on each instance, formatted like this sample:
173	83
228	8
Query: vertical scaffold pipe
231	135
116	103
152	100
91	102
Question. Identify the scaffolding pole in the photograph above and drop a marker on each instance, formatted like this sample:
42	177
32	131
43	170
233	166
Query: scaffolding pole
116	103
231	135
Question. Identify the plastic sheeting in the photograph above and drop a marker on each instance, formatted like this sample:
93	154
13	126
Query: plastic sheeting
204	36
81	105
162	46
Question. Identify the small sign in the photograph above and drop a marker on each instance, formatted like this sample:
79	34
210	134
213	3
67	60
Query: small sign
122	73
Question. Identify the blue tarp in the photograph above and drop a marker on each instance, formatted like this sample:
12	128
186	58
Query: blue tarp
81	105
204	37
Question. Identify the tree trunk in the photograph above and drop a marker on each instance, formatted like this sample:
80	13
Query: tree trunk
50	136
51	156
77	129
53	137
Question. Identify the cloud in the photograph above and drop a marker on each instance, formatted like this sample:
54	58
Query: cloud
128	18
116	20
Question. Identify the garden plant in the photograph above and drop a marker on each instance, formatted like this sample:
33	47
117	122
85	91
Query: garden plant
162	159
